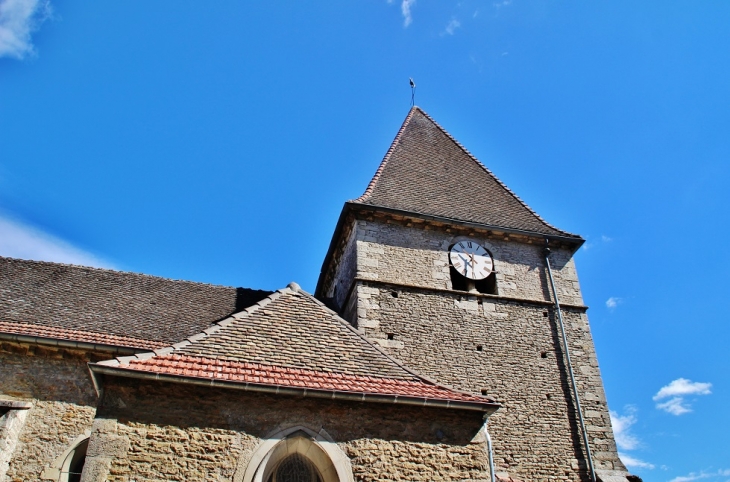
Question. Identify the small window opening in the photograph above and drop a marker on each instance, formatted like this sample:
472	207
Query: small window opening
480	347
544	314
484	392
543	354
394	294
391	336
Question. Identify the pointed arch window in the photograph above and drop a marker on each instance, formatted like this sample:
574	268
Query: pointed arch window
295	468
297	454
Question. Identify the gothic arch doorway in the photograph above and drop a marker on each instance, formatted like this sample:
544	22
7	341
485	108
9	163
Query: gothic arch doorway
297	454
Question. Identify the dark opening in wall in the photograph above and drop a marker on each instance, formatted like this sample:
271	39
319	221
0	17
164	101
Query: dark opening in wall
459	282
394	294
543	354
480	348
545	314
484	391
391	336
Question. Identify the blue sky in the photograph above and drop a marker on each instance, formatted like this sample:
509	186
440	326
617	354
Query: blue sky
189	139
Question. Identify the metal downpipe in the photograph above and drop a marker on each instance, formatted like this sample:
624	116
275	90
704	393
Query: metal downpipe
490	451
546	252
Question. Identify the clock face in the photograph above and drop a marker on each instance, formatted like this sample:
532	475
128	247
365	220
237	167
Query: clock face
471	260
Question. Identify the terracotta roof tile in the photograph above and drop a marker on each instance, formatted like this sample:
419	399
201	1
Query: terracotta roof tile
290	339
77	335
130	306
426	171
234	371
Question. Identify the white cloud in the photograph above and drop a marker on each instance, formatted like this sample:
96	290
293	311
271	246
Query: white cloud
18	19
682	386
18	240
622	428
675	406
452	26
701	475
625	440
613	302
405	8
606	239
632	462
676	391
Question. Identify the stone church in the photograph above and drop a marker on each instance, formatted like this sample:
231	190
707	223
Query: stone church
447	339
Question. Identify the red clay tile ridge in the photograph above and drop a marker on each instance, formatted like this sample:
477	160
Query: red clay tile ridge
179	364
365	198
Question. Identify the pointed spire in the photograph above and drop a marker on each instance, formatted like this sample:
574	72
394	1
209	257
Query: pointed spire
427	172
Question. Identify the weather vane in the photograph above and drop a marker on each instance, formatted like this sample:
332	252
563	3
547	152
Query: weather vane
413	91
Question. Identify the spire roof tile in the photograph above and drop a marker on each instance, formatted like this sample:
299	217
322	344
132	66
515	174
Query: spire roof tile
426	171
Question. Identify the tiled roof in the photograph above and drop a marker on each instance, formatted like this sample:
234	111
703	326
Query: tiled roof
293	329
427	172
256	373
96	305
26	329
288	339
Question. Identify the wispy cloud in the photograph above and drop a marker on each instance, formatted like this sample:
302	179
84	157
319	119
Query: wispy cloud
452	26
18	240
625	439
603	240
676	392
613	302
405	8
622	428
18	20
701	475
634	463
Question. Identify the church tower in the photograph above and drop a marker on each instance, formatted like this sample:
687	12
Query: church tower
445	267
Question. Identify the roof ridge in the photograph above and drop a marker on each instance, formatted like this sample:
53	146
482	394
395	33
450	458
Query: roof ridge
499	181
116	271
379	171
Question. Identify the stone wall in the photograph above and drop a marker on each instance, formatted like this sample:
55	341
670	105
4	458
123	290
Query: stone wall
56	382
511	351
344	271
145	430
506	346
417	255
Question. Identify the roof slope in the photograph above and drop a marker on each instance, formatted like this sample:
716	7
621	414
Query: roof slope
293	329
426	171
289	340
110	307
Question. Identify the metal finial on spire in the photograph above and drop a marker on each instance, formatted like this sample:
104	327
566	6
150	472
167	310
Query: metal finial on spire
413	91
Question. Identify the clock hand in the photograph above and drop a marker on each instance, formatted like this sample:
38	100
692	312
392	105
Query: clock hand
473	266
466	261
